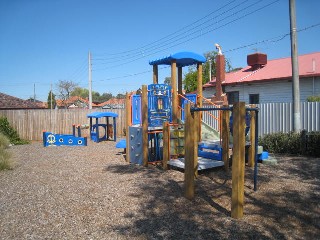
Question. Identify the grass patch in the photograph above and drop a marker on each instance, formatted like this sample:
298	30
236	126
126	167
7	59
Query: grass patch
5	160
5	156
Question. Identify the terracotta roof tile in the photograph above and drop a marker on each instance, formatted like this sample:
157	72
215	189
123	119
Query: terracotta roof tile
309	66
10	102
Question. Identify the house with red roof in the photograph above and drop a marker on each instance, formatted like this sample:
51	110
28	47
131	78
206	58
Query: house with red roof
10	102
113	103
75	102
269	81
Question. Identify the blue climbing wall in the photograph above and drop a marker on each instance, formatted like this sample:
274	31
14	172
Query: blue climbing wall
135	145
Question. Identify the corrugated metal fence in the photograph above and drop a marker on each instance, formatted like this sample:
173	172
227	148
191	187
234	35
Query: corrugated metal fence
277	117
31	123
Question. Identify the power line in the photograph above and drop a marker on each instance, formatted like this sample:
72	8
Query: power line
270	40
169	35
171	38
200	32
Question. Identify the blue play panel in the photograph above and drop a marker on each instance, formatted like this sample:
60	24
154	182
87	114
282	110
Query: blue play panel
51	139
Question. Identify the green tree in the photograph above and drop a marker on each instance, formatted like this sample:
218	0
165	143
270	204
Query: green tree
51	100
80	92
167	80
190	80
121	96
105	97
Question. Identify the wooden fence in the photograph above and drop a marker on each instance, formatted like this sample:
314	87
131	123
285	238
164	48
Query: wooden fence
31	123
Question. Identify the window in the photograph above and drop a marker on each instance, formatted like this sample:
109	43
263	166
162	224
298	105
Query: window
253	98
233	97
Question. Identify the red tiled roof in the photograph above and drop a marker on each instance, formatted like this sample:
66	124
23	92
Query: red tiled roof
309	66
113	101
10	102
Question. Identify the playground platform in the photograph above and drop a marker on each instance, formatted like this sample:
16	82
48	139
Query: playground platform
203	163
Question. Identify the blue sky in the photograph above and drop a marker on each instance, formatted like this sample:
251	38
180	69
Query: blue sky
44	41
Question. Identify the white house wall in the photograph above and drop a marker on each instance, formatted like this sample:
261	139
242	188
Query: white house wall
275	92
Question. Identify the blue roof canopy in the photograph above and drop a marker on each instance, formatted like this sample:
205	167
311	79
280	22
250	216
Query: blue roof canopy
102	114
182	58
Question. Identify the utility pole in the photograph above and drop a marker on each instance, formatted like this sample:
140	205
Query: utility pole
50	96
209	70
34	92
295	67
90	82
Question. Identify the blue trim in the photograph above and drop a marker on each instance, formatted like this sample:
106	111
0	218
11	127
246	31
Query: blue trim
102	114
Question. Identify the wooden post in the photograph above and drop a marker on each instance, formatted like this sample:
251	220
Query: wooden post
144	110
252	147
166	145
199	99
155	74
191	152
225	138
238	160
174	91
128	124
179	91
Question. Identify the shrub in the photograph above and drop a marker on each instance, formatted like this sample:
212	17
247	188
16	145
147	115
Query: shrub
10	132
291	143
313	143
313	99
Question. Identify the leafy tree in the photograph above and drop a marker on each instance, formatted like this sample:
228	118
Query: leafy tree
120	96
80	92
139	91
96	96
51	100
105	97
167	80
190	81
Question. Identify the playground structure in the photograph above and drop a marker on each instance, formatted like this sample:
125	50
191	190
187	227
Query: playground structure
107	129
160	124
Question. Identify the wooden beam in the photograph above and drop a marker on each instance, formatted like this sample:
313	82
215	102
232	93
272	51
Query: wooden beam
179	80
199	84
199	99
144	110
128	124
225	138
155	74
191	152
238	160
179	90
166	145
174	91
252	147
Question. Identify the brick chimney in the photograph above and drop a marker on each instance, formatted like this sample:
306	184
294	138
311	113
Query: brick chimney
220	75
257	60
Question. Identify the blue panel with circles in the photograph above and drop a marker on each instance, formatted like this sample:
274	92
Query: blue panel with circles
51	139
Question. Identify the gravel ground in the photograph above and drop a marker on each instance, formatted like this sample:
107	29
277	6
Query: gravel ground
92	193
